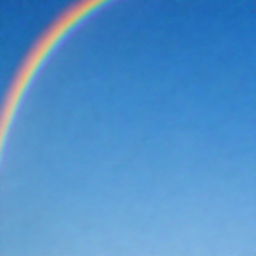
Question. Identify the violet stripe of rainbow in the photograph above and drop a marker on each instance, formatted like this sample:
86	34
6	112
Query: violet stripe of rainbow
36	57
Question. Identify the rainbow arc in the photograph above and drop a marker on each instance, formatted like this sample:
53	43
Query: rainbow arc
37	56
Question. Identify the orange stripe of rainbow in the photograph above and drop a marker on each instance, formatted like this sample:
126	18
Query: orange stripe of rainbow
36	57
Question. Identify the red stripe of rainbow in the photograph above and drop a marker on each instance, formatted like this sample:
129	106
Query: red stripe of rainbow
36	57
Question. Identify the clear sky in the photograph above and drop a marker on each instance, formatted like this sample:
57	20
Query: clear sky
138	137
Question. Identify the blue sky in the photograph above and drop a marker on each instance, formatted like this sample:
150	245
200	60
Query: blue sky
138	137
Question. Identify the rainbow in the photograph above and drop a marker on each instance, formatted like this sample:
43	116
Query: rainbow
38	55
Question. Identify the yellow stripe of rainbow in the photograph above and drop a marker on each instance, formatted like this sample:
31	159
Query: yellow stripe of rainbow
39	53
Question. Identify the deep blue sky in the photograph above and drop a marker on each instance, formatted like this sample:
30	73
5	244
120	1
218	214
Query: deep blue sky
138	138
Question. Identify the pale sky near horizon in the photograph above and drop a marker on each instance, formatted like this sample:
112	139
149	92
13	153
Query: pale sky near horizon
138	137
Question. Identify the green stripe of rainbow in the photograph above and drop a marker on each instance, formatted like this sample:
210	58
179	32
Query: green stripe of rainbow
36	57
